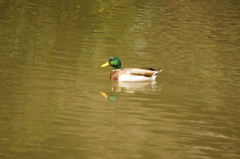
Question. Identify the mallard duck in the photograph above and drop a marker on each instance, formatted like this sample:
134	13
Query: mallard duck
130	74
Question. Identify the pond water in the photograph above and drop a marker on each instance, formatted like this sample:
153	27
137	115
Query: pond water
57	102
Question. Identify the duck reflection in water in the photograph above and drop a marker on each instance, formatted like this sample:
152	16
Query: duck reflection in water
129	87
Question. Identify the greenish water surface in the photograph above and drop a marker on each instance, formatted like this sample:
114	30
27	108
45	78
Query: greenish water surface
57	102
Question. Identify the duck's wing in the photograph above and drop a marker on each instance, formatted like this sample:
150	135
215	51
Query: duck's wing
146	72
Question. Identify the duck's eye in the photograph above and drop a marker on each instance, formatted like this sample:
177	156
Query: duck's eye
110	59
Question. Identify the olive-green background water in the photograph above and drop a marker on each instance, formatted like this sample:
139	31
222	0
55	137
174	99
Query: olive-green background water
51	79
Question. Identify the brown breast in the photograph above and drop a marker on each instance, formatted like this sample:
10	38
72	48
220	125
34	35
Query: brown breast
114	75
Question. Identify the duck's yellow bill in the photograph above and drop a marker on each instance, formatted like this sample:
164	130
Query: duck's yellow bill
106	64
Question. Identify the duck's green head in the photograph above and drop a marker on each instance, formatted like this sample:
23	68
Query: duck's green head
115	62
